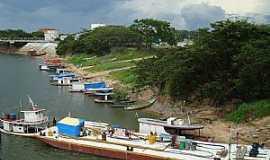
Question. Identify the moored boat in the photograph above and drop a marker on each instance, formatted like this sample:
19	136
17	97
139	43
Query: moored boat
139	106
64	81
119	143
27	123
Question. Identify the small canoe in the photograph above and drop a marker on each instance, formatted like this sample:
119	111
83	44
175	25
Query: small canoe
141	105
122	104
103	101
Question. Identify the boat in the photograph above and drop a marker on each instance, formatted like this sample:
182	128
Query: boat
170	126
94	91
64	81
44	67
27	123
139	106
77	87
103	101
104	97
119	143
122	104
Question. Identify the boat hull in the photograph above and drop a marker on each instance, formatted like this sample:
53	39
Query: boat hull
18	134
109	153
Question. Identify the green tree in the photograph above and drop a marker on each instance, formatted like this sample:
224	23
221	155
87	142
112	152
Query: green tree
155	31
103	39
230	60
67	46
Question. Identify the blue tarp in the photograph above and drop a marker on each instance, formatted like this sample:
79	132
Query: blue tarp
94	85
70	126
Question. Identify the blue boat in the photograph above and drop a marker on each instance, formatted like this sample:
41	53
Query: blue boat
94	85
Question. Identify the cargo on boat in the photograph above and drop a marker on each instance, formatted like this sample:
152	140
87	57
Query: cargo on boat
115	142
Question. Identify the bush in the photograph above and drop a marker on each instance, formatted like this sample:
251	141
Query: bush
250	111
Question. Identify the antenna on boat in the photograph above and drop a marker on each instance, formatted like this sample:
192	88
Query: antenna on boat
189	121
137	115
31	102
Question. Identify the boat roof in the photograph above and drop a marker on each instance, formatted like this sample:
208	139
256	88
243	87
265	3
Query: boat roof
35	110
99	89
22	122
165	124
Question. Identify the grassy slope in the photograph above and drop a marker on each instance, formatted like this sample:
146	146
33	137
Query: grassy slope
115	60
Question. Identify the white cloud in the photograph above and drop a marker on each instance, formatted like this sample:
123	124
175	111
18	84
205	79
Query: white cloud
172	9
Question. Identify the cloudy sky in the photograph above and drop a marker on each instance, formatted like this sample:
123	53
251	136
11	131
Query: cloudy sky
73	15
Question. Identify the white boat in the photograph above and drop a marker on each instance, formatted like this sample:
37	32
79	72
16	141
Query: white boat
27	123
170	126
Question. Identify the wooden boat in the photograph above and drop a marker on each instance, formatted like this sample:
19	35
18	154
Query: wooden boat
142	105
122	104
103	101
119	143
29	124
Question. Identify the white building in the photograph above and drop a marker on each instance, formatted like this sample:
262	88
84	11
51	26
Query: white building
50	34
94	26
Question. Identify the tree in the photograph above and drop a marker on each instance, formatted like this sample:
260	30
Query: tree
155	31
103	39
230	60
67	46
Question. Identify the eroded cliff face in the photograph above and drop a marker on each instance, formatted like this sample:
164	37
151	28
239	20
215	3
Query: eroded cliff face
40	48
27	48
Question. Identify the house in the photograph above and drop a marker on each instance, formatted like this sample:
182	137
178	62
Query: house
50	34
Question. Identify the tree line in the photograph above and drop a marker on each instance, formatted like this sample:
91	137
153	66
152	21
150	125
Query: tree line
18	33
143	33
230	60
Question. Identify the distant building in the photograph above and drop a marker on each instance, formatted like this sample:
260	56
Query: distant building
94	26
185	42
50	34
63	36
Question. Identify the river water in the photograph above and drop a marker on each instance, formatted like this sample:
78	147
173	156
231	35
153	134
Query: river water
19	77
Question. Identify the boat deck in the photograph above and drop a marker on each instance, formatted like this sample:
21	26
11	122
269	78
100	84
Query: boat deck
159	150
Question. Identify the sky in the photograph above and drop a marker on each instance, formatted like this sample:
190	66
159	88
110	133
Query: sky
74	15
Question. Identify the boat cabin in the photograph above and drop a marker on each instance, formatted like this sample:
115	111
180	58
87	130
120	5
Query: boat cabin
61	71
64	81
77	87
172	126
29	123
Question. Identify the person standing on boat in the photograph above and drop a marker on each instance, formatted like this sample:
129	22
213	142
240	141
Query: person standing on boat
54	121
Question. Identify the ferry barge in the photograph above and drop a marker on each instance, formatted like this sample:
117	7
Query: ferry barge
72	134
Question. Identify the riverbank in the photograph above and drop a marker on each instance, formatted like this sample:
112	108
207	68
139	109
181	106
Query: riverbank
213	119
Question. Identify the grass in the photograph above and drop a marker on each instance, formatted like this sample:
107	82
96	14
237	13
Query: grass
114	60
250	111
109	66
127	77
